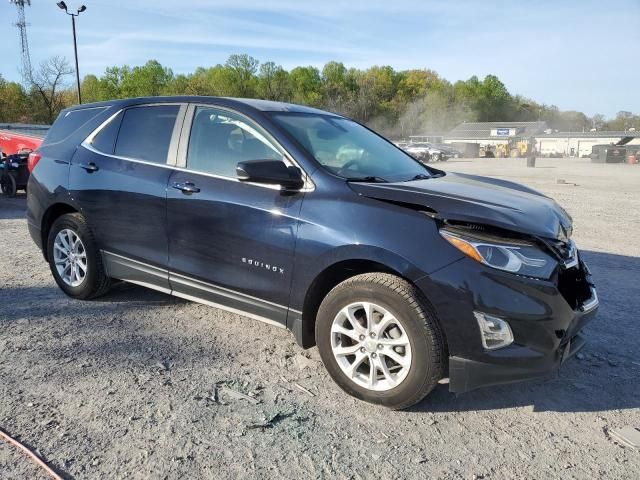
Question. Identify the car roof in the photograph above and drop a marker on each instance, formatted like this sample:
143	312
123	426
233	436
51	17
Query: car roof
253	103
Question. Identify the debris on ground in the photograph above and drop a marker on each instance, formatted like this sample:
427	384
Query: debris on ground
302	389
224	389
562	181
627	436
302	362
271	421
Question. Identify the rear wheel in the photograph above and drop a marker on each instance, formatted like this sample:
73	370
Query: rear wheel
379	340
74	259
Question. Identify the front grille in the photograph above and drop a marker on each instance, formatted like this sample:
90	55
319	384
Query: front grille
573	285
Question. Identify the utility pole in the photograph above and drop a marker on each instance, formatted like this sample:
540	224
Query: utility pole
82	8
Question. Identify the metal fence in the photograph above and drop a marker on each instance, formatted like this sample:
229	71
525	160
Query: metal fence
26	129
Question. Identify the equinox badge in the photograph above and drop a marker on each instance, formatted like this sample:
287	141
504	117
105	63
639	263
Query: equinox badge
266	266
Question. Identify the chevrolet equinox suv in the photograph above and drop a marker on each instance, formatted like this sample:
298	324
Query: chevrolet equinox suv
402	275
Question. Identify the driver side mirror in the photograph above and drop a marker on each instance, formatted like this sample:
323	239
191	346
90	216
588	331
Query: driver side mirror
270	172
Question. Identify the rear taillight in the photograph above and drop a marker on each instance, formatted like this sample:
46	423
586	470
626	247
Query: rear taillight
32	161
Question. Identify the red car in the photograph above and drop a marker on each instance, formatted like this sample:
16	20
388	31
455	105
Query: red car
15	146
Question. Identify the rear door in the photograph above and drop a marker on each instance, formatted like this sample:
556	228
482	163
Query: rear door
230	243
119	178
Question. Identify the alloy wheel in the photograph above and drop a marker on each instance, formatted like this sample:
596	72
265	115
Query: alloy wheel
70	257
371	346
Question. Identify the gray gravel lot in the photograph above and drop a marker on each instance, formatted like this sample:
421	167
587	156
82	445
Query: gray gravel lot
139	384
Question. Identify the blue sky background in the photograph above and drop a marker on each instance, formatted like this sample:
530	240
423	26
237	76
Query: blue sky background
576	54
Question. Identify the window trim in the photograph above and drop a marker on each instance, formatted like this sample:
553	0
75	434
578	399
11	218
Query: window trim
180	142
172	153
183	147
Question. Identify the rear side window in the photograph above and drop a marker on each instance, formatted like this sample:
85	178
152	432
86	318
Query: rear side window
69	122
105	140
145	132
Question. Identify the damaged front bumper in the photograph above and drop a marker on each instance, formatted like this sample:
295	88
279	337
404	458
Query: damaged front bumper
546	318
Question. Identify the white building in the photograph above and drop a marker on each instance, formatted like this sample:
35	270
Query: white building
578	144
548	142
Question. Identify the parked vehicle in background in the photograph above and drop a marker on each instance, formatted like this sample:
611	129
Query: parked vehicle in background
608	153
424	152
419	151
447	150
14	173
400	273
17	141
20	138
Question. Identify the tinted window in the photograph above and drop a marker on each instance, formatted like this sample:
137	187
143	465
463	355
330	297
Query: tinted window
105	140
145	132
69	122
220	139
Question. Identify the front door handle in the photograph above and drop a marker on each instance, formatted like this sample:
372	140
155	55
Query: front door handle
89	167
187	187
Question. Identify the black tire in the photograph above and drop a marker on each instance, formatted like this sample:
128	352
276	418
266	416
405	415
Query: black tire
8	185
96	282
425	336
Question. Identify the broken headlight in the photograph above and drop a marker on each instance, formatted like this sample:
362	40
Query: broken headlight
510	255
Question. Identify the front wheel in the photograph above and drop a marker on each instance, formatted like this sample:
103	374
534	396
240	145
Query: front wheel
379	340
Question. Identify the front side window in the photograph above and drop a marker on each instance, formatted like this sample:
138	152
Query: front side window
348	149
220	139
145	132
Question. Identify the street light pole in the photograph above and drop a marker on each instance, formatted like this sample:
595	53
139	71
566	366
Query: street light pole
75	51
63	6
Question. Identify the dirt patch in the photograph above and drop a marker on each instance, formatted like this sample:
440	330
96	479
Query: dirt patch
142	385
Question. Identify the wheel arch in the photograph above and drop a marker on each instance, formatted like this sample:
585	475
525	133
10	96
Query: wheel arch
368	260
50	215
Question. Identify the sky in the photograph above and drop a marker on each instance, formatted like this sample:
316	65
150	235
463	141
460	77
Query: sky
576	54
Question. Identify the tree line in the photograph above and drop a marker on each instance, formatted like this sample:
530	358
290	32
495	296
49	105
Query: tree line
396	103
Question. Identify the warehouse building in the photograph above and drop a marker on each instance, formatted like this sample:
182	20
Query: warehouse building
502	139
580	144
506	138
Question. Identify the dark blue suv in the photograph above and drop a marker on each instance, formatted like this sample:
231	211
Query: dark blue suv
402	275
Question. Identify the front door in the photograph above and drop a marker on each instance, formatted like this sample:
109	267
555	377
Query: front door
119	179
230	243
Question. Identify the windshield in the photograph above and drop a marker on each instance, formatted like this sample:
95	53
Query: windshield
349	150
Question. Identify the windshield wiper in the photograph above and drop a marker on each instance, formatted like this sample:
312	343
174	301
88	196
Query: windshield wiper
369	178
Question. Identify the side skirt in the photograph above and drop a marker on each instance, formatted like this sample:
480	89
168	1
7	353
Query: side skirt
149	276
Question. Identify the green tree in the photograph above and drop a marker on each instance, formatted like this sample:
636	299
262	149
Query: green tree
91	89
13	102
306	86
243	69
151	79
334	87
273	82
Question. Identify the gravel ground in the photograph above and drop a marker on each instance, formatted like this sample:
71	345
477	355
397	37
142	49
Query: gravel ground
141	385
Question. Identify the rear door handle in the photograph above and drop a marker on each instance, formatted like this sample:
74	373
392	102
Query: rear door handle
187	187
89	167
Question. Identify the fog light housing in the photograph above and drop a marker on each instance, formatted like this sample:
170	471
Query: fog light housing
495	332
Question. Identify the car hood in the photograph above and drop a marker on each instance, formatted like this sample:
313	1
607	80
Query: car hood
480	200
